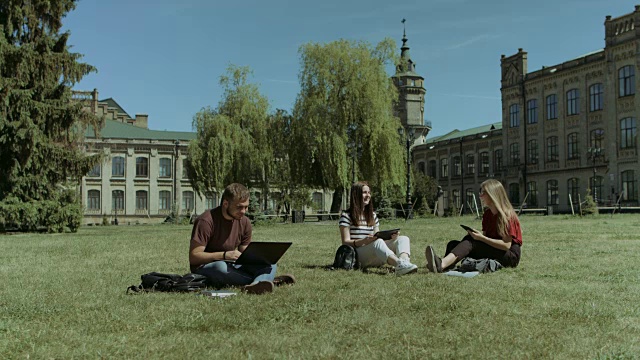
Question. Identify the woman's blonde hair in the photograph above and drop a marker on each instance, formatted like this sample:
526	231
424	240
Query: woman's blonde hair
495	191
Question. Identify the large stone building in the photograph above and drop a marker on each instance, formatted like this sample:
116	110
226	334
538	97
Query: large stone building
565	128
142	177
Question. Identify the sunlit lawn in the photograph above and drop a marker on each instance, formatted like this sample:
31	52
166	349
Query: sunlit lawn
576	294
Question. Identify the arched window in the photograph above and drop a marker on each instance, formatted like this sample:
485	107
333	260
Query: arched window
188	203
142	167
552	148
117	200
626	80
95	171
572	146
628	133
498	163
484	162
444	168
165	200
93	200
433	168
573	189
471	164
532	151
165	167
552	192
211	200
421	168
457	166
552	107
596	97
117	166
142	200
514	153
514	115
532	189
573	102
532	111
629	188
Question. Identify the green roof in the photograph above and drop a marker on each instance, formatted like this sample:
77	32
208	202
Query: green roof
113	104
116	130
455	134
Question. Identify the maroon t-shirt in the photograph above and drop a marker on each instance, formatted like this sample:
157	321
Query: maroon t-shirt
216	233
490	227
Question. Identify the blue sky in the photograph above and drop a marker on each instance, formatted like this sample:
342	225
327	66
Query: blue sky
164	57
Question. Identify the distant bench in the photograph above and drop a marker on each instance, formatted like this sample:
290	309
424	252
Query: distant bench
324	216
543	211
619	208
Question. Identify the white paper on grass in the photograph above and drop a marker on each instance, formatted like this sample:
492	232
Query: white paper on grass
217	293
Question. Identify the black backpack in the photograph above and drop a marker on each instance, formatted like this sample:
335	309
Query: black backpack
346	258
155	281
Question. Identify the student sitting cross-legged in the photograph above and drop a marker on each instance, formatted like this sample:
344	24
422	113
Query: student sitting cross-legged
359	223
220	236
501	236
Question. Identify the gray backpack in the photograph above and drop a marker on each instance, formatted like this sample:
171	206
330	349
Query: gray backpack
481	265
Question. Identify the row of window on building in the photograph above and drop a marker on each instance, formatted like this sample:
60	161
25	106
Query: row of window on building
118	167
165	200
627	87
629	192
628	135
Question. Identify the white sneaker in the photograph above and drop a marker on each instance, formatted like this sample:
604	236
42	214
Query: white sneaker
405	267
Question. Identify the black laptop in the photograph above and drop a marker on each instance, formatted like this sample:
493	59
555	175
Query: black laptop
262	253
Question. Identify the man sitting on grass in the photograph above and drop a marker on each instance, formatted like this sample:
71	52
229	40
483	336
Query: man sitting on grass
219	236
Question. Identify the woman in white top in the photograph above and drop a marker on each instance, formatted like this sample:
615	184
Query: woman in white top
359	223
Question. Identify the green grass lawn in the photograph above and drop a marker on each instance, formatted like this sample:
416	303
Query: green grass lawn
576	294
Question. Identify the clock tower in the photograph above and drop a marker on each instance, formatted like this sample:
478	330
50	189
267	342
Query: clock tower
411	92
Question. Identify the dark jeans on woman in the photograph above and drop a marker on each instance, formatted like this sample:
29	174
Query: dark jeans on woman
476	249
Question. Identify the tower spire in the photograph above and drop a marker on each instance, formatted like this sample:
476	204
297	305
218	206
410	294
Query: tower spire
405	58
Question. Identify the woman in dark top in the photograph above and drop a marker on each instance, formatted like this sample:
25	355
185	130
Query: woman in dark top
501	236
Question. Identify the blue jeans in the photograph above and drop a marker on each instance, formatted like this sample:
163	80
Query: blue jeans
222	273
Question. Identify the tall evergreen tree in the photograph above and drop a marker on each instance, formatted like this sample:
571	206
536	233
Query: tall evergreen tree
40	125
344	116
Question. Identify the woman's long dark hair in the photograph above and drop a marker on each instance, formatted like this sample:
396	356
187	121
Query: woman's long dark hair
357	208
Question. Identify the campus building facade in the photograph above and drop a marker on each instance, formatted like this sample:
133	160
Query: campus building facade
142	178
565	128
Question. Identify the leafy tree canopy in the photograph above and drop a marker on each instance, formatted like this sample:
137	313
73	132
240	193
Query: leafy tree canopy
232	143
345	110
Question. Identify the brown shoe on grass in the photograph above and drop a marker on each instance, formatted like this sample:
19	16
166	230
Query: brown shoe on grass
259	288
285	279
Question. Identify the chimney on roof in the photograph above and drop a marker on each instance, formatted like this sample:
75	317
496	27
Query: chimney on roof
142	121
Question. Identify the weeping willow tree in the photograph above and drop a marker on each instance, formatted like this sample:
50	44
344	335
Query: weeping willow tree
343	117
232	143
41	158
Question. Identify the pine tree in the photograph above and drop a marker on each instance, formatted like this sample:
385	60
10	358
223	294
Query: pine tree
41	127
